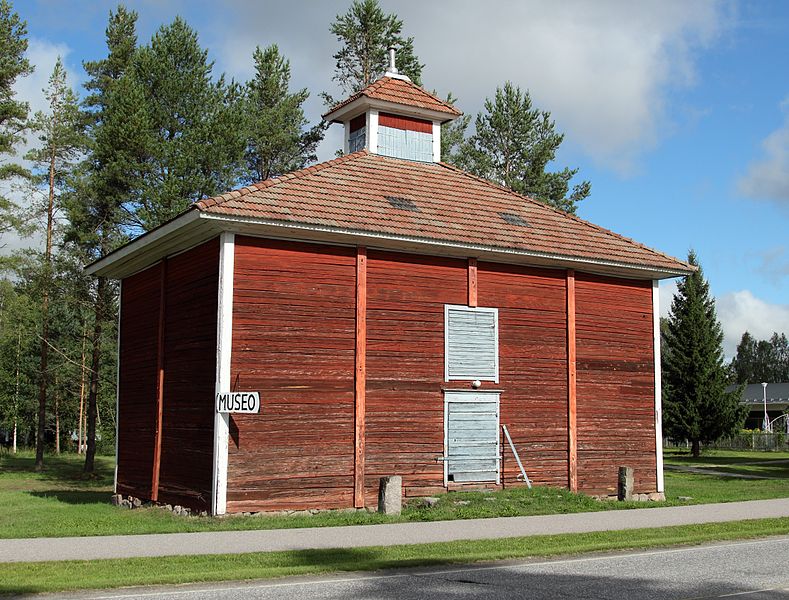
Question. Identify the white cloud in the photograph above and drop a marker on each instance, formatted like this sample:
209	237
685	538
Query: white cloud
768	176
668	288
742	311
42	54
603	69
738	312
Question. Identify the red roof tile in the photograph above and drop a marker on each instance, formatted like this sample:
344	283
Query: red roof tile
451	206
400	92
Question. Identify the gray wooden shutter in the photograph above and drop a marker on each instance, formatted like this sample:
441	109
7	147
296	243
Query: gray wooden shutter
471	343
472	440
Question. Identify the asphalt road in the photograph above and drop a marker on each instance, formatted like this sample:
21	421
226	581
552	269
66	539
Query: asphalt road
755	570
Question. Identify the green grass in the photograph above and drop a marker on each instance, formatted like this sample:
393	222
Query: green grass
20	578
58	502
705	488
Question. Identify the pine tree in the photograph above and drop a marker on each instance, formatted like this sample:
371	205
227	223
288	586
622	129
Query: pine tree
118	128
696	404
365	33
277	140
13	113
195	141
453	134
513	145
61	140
742	365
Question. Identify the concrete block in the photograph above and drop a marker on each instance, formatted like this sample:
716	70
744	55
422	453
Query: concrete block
626	482
390	495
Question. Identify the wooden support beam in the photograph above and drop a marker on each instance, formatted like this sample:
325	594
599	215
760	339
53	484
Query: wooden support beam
472	282
572	430
360	376
157	445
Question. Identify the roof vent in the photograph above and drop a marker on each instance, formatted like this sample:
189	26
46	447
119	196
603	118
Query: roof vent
391	70
402	203
513	219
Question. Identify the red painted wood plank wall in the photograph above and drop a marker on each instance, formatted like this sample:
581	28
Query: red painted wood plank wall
298	313
615	382
533	366
181	349
294	334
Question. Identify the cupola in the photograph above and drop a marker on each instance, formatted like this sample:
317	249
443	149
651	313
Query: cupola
394	117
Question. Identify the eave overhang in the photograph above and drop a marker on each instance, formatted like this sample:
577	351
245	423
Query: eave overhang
195	227
364	103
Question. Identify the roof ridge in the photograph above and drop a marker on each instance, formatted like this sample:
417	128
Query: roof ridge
563	213
380	83
206	203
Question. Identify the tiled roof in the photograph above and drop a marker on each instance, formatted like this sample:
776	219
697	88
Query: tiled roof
400	92
364	192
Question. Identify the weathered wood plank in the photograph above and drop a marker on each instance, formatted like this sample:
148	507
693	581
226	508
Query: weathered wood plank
361	376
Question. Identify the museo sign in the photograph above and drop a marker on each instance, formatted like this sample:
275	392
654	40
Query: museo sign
238	402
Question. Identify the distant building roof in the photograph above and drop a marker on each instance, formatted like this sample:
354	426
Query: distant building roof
753	393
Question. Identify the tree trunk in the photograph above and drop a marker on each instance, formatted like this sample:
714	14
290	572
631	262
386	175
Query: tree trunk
57	420
81	394
16	391
93	390
42	384
695	448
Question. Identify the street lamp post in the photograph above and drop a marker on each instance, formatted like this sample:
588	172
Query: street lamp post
766	425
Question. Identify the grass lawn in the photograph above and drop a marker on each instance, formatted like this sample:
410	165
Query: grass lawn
20	578
58	502
717	486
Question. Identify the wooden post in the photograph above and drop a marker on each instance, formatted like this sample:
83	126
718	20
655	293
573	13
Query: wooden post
572	431
361	376
472	282
157	446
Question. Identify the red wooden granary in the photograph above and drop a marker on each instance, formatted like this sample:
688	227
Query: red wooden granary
392	312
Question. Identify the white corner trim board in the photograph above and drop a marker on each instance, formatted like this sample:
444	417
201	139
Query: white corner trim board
372	131
436	141
658	384
117	385
224	342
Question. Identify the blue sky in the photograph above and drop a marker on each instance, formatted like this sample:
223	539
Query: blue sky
677	112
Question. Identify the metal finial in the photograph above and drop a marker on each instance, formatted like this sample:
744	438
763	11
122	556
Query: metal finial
392	67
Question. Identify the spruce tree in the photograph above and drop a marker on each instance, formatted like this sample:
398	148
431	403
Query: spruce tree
13	113
696	406
513	144
277	137
365	33
61	138
453	133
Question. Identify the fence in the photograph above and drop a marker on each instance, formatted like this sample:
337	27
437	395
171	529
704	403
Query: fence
746	440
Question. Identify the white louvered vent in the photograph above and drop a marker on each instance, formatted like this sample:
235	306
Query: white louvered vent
471	343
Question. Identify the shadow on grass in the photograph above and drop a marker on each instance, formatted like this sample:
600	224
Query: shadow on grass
74	496
66	468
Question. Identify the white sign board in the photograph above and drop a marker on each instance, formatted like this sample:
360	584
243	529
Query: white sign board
238	402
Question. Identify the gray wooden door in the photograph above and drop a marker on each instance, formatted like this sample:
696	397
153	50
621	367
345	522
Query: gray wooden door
471	436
